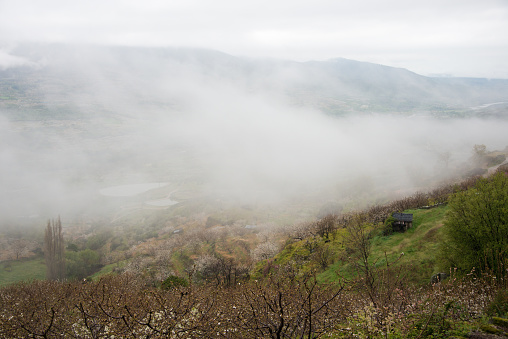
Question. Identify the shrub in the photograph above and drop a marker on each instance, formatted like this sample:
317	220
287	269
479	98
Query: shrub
388	226
499	304
174	281
477	227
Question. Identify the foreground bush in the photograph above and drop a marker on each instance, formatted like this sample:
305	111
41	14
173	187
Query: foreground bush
477	227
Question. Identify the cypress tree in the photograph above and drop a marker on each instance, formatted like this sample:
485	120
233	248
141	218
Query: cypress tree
54	250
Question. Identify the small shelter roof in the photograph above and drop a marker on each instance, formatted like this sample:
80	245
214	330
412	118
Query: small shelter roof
403	216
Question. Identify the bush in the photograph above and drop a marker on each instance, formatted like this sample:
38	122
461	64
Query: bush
388	226
499	305
174	281
477	227
72	247
97	241
443	323
81	264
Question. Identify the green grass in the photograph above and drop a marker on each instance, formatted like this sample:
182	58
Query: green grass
419	245
23	270
299	254
107	269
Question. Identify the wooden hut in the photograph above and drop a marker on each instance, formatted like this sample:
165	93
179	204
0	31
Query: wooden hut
403	221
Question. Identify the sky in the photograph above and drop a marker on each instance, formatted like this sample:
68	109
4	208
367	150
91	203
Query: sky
431	37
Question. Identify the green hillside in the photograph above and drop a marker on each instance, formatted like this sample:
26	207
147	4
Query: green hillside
22	270
419	246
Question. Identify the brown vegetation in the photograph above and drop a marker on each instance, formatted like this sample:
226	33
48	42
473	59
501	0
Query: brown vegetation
283	306
221	300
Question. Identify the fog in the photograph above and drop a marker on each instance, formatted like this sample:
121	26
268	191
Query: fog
210	125
463	38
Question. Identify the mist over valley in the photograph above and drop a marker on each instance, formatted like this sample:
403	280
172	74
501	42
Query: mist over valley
186	125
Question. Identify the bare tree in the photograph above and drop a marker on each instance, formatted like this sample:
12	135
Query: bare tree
382	285
288	307
479	150
323	255
19	247
54	250
326	225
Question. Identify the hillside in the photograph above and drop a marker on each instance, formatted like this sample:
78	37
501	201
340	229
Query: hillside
171	240
414	251
380	288
214	154
66	81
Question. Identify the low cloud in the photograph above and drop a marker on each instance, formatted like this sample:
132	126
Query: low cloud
133	119
8	60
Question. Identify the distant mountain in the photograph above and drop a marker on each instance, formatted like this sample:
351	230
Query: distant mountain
380	88
64	81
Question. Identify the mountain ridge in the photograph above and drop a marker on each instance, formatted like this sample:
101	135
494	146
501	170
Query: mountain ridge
336	86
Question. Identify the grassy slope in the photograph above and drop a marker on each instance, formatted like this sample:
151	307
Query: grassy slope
23	270
419	245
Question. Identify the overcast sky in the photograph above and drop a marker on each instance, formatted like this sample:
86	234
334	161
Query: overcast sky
455	37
